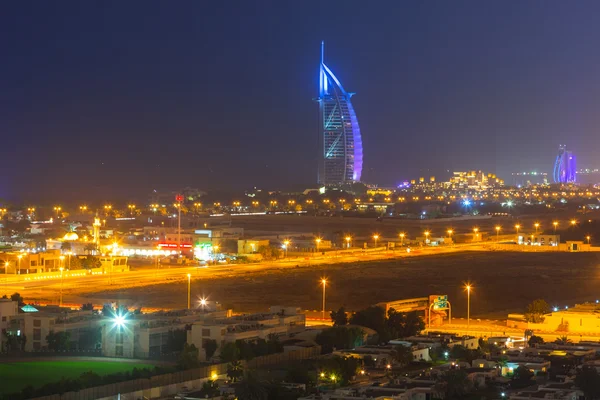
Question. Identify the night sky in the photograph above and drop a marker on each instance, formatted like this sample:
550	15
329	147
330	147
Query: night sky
114	99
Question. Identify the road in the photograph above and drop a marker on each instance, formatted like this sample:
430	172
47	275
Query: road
75	288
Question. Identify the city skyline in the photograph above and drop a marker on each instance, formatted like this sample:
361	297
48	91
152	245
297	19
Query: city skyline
101	101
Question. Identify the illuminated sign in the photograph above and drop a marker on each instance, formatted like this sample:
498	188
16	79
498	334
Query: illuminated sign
174	245
439	302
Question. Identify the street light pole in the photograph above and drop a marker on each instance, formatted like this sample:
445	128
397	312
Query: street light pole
324	282
468	306
61	286
189	276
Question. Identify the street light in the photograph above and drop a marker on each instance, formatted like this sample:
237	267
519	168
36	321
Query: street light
19	257
426	236
475	230
324	283
497	231
402	235
348	239
517	227
375	237
318	241
573	222
189	276
588	237
286	243
468	287
555	223
450	232
61	283
537	225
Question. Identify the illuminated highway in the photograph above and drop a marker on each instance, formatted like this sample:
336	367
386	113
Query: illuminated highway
75	288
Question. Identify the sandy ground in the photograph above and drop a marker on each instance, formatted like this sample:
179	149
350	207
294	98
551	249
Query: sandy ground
503	282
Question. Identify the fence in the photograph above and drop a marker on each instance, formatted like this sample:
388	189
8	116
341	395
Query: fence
170	384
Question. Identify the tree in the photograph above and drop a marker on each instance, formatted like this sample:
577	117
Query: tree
273	344
13	343
90	262
18	298
58	341
251	389
503	362
210	347
454	384
176	339
210	388
588	380
404	324
521	376
536	311
372	317
87	307
533	340
246	350
90	339
402	355
266	252
339	337
342	368
339	317
189	357
66	246
563	340
229	352
235	370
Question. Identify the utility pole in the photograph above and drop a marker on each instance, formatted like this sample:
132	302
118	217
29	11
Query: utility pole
179	199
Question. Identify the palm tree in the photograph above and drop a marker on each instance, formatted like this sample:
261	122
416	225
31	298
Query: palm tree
503	363
235	370
251	389
563	340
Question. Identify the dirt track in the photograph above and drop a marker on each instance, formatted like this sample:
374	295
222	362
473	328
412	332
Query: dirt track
503	282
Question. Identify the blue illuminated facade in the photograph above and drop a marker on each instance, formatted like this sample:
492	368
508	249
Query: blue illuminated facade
340	143
564	166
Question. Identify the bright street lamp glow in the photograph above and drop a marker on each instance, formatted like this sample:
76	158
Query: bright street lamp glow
119	320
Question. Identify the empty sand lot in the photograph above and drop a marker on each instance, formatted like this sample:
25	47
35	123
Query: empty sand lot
503	282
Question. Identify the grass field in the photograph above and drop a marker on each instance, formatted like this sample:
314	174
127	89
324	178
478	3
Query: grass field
16	376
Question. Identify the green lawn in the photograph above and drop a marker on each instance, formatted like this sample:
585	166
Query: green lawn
16	376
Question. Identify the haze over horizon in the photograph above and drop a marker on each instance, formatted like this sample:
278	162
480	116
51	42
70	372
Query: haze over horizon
117	99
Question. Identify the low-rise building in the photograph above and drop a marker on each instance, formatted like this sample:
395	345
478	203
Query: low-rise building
8	310
149	335
279	321
36	326
580	319
27	262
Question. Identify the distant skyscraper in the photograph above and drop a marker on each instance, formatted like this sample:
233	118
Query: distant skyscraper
340	144
565	166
